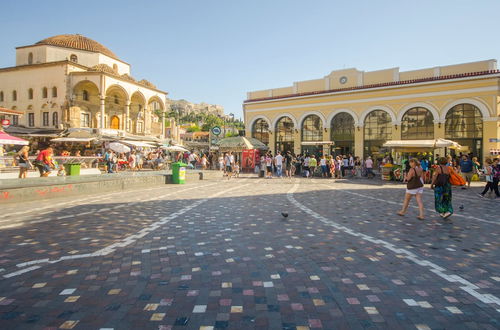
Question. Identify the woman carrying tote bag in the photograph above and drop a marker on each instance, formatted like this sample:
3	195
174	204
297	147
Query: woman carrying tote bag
414	187
442	189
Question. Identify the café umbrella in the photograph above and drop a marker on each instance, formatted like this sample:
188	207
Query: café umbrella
118	147
9	139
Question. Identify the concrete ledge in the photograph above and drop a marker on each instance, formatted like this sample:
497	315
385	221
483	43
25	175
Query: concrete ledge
51	188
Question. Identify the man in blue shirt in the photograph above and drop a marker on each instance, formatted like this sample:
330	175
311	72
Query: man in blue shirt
424	163
466	167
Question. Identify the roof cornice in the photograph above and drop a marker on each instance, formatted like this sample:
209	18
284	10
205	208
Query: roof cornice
388	85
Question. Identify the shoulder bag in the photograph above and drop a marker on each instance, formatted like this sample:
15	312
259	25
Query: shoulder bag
414	182
442	178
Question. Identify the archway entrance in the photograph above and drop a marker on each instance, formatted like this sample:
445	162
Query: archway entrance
115	122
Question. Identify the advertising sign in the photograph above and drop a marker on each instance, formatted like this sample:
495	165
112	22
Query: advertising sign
250	158
5	123
182	173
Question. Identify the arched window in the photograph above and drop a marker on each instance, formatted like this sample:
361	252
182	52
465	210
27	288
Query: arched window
1	96
55	119
54	91
30	58
377	130
44	93
312	128
284	135
464	124
417	124
260	130
30	93
14	95
116	99
463	121
85	95
342	134
73	58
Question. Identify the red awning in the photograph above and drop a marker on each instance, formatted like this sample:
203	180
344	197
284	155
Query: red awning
9	139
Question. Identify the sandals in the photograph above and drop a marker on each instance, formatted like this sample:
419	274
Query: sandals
420	218
400	214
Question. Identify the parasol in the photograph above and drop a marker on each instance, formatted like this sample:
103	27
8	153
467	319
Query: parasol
118	147
175	148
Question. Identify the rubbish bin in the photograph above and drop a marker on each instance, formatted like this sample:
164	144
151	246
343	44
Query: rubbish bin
72	169
179	173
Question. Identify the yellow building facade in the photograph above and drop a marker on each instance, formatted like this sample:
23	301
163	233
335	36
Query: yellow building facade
355	112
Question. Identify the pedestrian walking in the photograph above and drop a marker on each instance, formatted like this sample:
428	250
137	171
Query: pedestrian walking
23	162
288	164
414	187
466	169
488	175
496	176
312	165
278	162
324	166
442	189
44	162
369	167
269	166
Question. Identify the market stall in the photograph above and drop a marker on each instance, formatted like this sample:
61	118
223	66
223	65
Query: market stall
246	150
402	150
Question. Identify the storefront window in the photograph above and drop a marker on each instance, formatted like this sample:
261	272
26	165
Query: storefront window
464	121
312	129
464	124
284	135
377	130
417	124
260	131
342	134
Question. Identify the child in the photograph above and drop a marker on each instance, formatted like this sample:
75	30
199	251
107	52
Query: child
236	170
60	169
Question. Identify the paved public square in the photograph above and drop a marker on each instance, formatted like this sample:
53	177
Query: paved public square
220	255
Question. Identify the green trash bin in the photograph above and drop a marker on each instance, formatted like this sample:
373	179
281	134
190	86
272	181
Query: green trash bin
72	169
179	173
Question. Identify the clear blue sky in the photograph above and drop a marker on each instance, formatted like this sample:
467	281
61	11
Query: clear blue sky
216	51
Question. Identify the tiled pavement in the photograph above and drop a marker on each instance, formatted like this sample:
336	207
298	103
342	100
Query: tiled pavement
219	255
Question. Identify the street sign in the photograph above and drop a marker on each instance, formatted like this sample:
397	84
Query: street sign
216	130
5	123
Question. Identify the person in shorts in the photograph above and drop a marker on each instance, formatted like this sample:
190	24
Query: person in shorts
44	162
466	169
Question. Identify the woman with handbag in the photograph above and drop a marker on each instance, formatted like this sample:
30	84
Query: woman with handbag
442	189
414	187
24	162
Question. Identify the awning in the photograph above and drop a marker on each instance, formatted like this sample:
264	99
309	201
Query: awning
422	144
138	144
72	139
9	139
315	143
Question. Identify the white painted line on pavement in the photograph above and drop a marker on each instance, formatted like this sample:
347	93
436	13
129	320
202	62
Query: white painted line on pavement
129	239
413	206
440	271
10	224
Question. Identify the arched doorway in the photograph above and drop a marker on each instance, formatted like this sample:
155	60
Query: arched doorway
116	99
377	130
115	122
342	134
464	124
417	124
284	135
260	131
312	131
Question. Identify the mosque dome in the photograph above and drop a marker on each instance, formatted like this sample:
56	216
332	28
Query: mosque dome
77	41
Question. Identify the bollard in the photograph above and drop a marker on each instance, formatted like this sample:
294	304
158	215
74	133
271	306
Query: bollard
201	175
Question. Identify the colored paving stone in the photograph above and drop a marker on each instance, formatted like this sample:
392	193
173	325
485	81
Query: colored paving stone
219	255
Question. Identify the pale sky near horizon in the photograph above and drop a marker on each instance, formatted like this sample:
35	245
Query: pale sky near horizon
216	51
